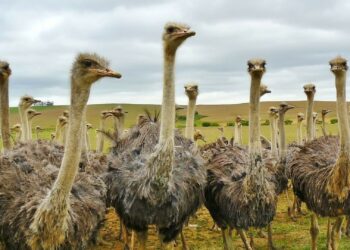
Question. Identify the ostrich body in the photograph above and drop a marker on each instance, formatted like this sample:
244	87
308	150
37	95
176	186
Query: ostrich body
53	208
5	72
242	188
320	171
25	103
191	91
31	113
162	180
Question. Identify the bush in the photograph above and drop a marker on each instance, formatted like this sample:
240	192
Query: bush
334	121
266	122
230	124
181	117
288	122
210	124
245	123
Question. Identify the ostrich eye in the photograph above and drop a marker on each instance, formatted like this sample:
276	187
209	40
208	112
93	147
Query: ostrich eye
6	67
170	30
87	63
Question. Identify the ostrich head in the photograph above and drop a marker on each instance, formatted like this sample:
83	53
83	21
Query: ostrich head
105	114
38	128
118	112
338	65
88	68
198	136
256	67
66	114
191	91
264	89
32	113
238	119
273	111
324	112
16	128
5	70
300	117
284	107
309	89
27	101
314	115
88	126
175	34
62	121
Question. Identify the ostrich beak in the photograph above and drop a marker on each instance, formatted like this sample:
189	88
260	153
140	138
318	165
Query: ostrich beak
290	107
36	101
268	91
37	113
185	34
106	72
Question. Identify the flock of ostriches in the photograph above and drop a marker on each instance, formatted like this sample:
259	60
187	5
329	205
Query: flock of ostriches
55	197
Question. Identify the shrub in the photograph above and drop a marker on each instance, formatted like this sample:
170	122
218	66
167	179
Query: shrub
210	124
181	117
288	122
266	122
230	124
245	123
334	121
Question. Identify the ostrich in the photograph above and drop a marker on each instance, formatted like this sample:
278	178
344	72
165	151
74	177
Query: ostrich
273	115
300	119
25	103
309	90
31	113
5	72
38	129
164	178
314	127
67	216
65	114
119	120
198	136
242	188
320	171
324	112
88	127
17	130
238	131
191	91
61	122
100	137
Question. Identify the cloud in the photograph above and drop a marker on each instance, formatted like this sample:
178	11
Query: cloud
297	38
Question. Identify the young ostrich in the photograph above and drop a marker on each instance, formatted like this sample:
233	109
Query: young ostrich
164	181
300	119
17	130
5	72
191	91
242	188
31	113
238	131
38	129
100	137
24	104
60	124
324	112
69	215
320	171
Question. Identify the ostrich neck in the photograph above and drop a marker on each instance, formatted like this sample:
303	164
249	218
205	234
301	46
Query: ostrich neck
191	108
324	126
238	134
30	123
309	120
73	147
4	113
58	132
24	121
121	120
254	109
344	130
273	136
300	133
283	146
100	137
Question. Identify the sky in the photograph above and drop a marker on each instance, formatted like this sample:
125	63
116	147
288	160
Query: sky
297	39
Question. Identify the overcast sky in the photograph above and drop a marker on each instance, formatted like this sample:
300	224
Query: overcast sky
297	38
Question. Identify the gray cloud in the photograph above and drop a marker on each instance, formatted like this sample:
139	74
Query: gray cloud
297	38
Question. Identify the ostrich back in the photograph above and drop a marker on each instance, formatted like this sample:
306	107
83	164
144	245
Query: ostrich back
236	196
26	177
310	171
130	183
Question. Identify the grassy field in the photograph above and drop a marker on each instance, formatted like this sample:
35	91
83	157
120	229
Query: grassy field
287	233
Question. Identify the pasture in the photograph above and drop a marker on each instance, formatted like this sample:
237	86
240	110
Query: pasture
288	234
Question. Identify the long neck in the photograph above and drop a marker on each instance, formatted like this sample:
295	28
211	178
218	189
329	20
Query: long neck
283	146
324	132
309	120
121	120
24	122
314	134
300	132
4	113
191	109
73	148
64	134
100	137
58	133
344	131
254	109
273	136
87	140
238	135
30	123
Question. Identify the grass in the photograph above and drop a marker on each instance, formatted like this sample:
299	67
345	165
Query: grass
287	233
